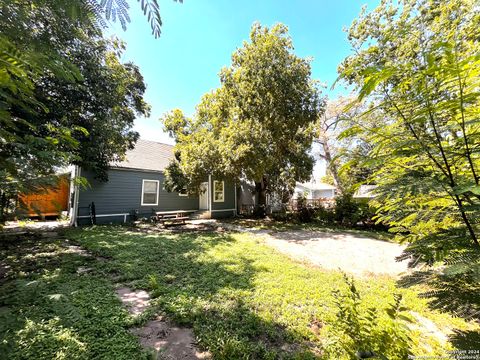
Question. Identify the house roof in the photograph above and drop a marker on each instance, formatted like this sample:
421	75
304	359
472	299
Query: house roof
365	192
316	186
147	155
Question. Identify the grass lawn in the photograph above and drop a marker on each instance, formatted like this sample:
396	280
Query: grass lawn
242	299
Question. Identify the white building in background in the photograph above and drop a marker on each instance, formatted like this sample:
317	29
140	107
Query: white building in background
365	192
314	190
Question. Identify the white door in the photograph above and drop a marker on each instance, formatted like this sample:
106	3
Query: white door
203	197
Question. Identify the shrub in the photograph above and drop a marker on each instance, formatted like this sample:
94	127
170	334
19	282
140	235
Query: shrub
367	332
346	209
282	216
324	215
305	214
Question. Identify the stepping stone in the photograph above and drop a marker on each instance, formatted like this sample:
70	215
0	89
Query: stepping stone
136	301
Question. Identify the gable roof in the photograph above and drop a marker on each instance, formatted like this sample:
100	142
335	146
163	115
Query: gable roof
316	186
365	192
147	155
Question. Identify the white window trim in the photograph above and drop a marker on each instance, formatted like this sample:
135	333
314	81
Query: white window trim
158	192
185	194
215	191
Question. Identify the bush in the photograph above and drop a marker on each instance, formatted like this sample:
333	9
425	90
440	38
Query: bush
349	211
346	210
305	214
324	215
282	216
360	332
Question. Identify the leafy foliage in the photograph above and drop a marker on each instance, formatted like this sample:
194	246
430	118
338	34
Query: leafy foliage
258	124
50	311
64	95
417	66
118	9
360	332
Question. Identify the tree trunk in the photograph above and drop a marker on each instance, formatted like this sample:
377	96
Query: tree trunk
261	189
331	165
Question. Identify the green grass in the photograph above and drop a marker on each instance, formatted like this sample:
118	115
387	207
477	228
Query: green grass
242	299
49	311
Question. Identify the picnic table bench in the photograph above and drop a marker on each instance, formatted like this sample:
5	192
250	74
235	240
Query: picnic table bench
172	217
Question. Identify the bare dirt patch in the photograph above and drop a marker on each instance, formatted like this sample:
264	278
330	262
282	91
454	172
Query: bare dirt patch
74	249
31	225
172	342
353	254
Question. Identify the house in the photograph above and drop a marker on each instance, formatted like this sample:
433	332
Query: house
365	192
315	193
135	188
314	190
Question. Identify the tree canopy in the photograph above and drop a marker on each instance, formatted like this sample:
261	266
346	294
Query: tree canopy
416	67
257	125
65	96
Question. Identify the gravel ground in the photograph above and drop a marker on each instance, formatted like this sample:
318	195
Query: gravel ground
353	254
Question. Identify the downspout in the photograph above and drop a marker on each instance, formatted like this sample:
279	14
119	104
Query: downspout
210	195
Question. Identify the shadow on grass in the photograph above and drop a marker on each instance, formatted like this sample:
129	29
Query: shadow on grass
48	310
466	340
457	295
199	280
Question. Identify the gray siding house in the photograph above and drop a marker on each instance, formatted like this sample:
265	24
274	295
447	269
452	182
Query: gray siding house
136	188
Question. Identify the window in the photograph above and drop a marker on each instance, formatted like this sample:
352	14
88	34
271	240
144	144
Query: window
218	191
183	192
150	192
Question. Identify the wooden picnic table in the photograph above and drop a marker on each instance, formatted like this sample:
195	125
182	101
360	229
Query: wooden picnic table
173	217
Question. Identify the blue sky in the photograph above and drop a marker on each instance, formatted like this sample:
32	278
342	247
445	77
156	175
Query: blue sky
199	36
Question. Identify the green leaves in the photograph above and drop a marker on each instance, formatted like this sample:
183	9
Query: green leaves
417	67
359	331
65	97
258	123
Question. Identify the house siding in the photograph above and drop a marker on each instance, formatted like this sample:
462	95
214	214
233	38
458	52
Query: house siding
123	194
227	207
323	194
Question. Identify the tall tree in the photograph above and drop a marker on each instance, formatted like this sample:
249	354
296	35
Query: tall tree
64	95
343	155
418	63
258	124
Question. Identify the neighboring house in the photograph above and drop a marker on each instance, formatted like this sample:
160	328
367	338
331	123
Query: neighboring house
313	191
365	192
135	187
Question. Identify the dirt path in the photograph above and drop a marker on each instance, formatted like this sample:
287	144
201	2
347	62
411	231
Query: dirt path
351	253
169	341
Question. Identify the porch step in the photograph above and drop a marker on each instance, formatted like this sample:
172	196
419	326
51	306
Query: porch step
201	214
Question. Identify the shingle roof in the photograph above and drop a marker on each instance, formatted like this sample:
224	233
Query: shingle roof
147	155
